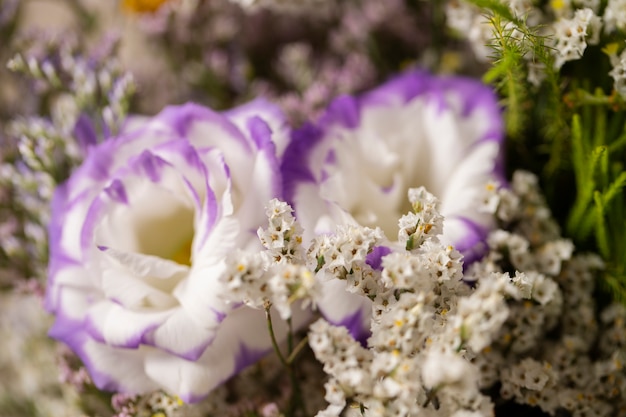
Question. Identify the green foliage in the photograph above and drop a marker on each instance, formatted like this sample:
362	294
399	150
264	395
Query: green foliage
516	46
579	134
599	211
508	75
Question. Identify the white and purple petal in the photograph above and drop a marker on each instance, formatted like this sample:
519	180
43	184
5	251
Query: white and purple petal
356	164
138	239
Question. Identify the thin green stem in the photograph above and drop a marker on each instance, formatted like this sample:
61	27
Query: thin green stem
270	328
296	351
289	337
296	401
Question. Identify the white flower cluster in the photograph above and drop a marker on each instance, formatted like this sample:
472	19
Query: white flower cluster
278	275
343	255
34	382
572	35
423	222
441	336
615	15
44	153
579	367
569	26
522	319
415	296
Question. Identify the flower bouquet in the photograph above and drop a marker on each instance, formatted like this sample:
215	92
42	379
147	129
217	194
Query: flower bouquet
313	208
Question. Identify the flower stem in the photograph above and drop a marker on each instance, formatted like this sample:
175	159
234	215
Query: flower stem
289	337
270	328
294	354
296	401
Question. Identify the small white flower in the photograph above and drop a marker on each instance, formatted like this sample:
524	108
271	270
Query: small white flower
450	371
571	35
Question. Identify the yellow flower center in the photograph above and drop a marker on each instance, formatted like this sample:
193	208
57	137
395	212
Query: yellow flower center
142	6
183	254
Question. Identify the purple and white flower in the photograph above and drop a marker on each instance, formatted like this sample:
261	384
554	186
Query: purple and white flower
357	163
138	240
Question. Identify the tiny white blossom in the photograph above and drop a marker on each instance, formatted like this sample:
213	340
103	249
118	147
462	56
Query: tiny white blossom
615	15
572	35
283	236
449	370
423	223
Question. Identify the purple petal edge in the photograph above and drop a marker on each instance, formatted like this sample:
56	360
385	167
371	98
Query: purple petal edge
375	257
473	245
357	326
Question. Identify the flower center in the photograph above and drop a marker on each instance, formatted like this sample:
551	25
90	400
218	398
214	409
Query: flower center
370	174
183	254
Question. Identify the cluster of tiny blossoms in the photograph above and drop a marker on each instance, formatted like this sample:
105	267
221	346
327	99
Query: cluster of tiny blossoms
442	334
80	87
318	49
414	361
569	27
277	276
552	352
446	339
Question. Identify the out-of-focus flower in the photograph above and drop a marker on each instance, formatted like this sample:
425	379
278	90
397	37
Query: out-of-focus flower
359	161
143	6
138	240
288	6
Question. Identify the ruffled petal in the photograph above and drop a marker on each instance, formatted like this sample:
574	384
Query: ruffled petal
270	114
178	334
343	308
115	325
194	380
139	238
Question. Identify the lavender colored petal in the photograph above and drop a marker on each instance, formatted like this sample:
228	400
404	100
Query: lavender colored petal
85	133
375	257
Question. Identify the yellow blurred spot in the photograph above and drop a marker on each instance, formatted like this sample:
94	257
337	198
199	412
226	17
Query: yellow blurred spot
450	62
611	48
240	268
490	186
142	6
183	254
398	323
159	414
557	4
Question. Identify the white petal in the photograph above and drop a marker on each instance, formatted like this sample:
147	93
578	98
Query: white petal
242	339
118	326
338	306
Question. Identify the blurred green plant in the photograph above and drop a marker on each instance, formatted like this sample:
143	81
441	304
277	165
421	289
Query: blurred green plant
567	132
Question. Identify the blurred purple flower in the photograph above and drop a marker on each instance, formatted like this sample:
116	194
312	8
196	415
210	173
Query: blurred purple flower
138	238
357	163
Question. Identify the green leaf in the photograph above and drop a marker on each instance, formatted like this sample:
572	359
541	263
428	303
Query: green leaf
602	239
